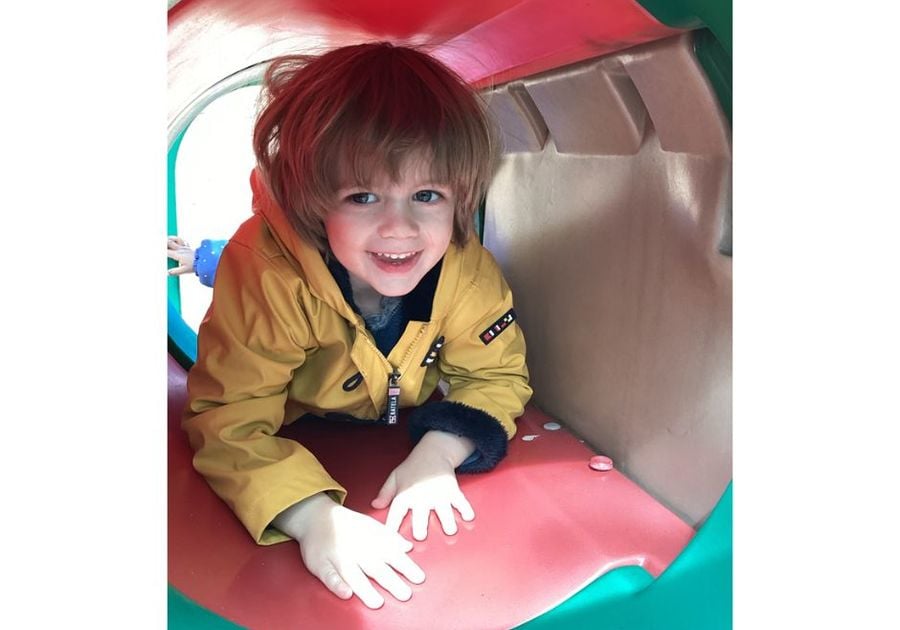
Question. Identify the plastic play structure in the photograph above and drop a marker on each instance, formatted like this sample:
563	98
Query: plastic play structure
610	216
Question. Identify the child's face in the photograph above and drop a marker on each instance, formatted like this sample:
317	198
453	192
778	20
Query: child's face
390	234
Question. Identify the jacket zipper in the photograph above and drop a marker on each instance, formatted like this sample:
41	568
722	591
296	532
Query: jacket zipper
393	398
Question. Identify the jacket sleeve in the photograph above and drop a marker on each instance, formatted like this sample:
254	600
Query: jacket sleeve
488	380
251	341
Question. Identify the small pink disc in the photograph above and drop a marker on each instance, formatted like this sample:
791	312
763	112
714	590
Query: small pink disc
601	462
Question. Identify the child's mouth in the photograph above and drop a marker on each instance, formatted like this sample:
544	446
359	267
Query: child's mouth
395	262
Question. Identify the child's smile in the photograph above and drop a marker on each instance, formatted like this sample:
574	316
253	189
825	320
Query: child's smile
395	263
388	235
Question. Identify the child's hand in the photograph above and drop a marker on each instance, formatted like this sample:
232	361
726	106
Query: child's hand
178	250
426	481
344	549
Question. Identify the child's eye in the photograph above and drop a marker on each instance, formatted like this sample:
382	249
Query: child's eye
362	198
427	196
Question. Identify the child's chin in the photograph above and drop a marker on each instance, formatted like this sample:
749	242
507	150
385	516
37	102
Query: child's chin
395	291
398	288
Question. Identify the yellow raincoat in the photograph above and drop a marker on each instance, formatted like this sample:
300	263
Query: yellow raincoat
279	340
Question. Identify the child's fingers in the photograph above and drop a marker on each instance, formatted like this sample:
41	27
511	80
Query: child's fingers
328	575
388	579
447	519
462	505
404	565
177	271
361	586
386	494
395	515
420	523
401	543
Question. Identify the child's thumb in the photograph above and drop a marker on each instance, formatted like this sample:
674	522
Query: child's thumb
386	494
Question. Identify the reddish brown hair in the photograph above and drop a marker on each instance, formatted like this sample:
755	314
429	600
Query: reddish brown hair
369	107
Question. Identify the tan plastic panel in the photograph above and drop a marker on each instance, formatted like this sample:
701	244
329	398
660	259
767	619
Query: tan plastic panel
676	93
521	125
624	299
590	108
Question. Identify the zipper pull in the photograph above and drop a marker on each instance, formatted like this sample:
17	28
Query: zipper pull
393	401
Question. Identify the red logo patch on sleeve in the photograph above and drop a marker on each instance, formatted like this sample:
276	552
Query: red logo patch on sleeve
492	331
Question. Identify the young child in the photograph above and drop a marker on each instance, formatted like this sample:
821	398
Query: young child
354	288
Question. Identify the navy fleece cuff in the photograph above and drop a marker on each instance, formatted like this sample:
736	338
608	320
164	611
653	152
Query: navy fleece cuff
453	417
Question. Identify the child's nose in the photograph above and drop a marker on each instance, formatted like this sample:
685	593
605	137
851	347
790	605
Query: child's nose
398	221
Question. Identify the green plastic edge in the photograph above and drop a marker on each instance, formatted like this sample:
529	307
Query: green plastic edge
479	220
173	288
182	340
693	14
185	613
694	593
712	45
716	63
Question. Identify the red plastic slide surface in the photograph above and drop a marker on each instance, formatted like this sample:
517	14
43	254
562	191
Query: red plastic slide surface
546	524
486	41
